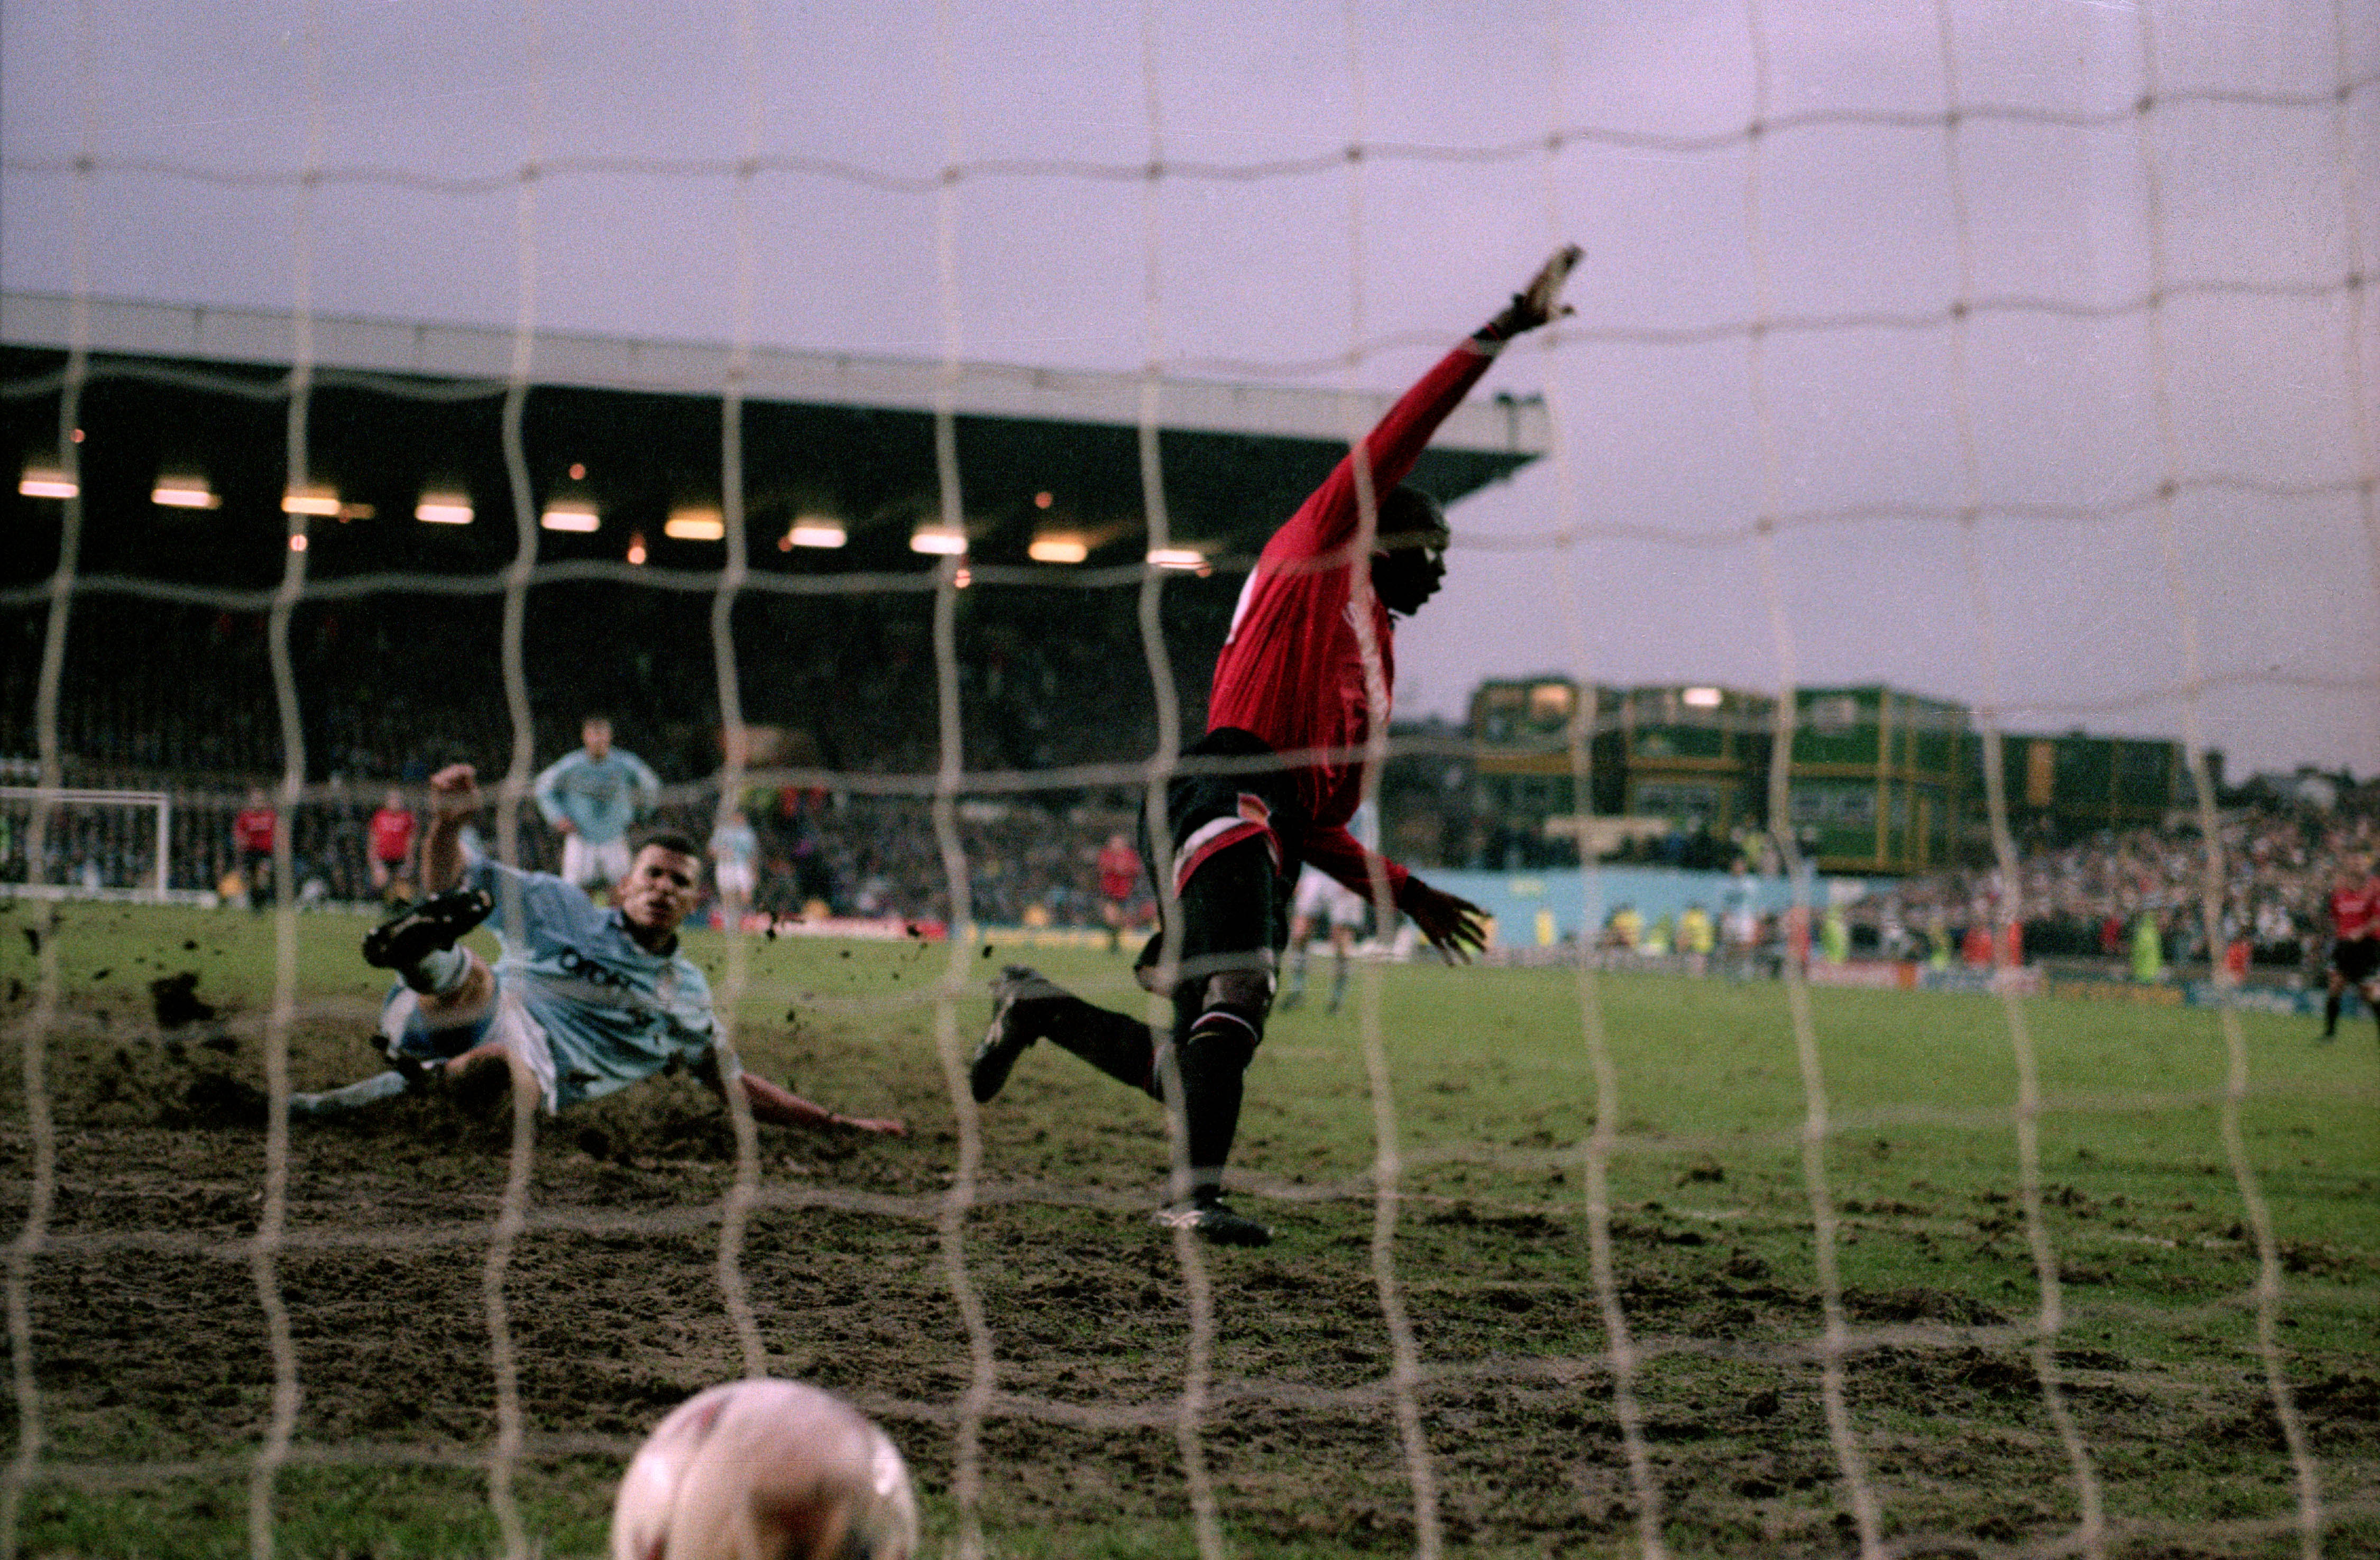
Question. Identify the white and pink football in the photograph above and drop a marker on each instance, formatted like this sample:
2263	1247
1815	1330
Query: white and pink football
765	1470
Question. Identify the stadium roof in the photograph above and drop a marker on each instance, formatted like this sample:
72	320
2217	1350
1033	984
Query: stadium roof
1502	425
182	456
401	408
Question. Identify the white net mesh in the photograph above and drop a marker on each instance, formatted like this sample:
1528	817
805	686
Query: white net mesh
2169	484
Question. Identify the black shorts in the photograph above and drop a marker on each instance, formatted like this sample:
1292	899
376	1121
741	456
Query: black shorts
1236	838
2357	959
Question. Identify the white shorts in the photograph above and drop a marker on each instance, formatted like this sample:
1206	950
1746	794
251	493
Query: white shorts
589	864
732	878
1321	897
506	1022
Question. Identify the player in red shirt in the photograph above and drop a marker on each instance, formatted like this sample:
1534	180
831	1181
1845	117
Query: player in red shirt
253	829
391	846
2354	942
1119	868
1303	678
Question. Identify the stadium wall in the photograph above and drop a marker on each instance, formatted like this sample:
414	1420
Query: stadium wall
1579	900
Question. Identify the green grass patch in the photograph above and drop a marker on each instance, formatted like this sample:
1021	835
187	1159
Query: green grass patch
148	1329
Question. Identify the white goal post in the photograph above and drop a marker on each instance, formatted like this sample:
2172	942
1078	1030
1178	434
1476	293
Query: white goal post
17	804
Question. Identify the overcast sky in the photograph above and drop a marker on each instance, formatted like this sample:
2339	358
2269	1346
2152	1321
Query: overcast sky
2238	201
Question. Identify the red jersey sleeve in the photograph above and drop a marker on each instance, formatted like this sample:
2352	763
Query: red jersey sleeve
1338	852
1328	520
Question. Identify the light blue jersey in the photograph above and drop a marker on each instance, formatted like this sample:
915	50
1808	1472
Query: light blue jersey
734	842
599	1011
602	797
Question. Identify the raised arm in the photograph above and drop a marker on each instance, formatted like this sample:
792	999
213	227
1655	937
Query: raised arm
454	799
1331	517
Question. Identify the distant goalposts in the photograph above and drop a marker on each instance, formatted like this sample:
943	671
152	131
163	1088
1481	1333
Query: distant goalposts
94	844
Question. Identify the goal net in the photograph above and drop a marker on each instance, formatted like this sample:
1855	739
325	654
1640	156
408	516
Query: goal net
1909	353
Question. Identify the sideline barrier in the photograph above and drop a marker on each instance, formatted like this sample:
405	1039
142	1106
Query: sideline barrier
2024	980
1516	900
1873	975
1877	974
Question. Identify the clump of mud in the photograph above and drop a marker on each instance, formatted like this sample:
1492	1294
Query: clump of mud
174	999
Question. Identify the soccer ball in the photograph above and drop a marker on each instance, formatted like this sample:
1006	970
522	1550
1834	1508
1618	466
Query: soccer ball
765	1470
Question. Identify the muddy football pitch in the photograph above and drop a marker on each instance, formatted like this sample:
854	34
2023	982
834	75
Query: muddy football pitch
458	1395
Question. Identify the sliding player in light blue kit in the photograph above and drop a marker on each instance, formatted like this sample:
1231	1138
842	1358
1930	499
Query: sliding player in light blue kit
592	798
582	1001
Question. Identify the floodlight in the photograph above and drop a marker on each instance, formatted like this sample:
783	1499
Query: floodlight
1177	557
443	509
943	542
46	482
636	547
695	522
183	492
816	530
1702	698
568	514
310	500
1057	547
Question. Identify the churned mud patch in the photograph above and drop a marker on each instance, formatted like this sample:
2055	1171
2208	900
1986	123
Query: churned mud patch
151	1328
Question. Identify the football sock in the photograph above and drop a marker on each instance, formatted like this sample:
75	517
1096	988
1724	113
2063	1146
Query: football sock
1214	1064
2330	1016
1337	985
1117	1044
438	972
369	1091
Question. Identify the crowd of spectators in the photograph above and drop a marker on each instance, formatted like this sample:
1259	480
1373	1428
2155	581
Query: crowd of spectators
881	857
393	687
2084	899
822	852
183	699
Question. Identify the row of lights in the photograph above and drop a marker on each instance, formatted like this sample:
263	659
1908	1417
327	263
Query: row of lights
689	523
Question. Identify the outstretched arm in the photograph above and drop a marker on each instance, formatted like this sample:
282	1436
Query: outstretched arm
1389	452
1341	854
781	1108
1538	304
1456	927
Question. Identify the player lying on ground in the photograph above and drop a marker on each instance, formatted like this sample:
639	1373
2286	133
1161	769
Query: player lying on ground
1304	674
2354	942
583	1000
